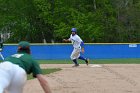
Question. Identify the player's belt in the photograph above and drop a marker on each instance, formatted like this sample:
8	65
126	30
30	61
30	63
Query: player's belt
77	48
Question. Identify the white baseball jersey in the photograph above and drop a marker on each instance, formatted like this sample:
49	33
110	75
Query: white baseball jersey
76	41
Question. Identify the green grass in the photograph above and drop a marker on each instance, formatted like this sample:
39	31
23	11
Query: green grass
45	71
94	61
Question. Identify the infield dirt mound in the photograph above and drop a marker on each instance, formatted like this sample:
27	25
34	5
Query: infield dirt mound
110	78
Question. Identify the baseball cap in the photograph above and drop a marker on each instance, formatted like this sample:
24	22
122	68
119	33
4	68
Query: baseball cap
74	30
24	44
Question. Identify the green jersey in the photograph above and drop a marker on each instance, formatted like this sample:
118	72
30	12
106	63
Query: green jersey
26	62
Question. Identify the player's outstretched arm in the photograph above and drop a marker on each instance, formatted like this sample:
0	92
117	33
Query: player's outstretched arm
44	84
66	40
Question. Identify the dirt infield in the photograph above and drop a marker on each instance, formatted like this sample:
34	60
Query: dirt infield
109	78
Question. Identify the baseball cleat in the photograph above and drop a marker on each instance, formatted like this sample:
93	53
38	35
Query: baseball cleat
76	65
87	61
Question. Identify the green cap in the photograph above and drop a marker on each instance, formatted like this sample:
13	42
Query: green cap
24	44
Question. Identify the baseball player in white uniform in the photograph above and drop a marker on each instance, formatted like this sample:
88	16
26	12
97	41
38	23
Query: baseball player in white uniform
78	46
1	48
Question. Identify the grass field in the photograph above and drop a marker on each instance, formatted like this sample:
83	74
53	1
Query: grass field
95	61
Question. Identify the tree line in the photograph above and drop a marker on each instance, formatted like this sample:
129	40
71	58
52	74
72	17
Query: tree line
97	21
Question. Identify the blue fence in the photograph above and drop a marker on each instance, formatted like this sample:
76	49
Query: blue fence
92	51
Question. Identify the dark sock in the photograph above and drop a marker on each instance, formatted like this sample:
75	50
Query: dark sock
75	61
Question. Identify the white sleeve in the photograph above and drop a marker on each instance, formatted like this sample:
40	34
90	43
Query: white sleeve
79	39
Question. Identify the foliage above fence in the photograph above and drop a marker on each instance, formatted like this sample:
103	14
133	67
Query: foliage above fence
51	20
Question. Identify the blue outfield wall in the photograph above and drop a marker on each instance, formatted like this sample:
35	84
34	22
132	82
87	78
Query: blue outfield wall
92	51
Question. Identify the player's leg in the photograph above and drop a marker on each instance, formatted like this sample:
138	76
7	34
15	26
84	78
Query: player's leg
18	81
4	82
74	55
82	58
75	62
1	56
5	75
85	59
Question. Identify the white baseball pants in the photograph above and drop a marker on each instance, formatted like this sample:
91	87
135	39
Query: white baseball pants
12	78
75	53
